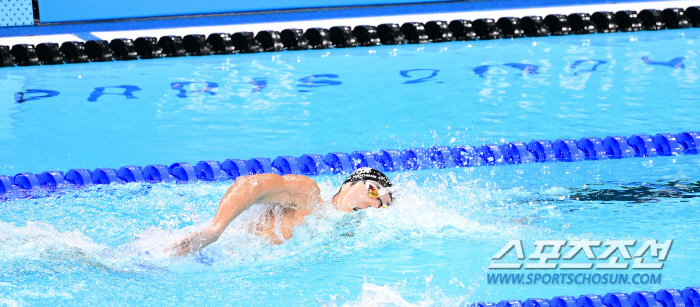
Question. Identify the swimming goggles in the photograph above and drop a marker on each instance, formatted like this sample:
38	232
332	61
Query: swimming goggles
373	191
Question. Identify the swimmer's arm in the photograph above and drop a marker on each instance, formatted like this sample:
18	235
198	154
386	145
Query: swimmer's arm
246	191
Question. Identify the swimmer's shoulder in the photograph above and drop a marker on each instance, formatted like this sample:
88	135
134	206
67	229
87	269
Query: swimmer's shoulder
287	189
292	180
301	184
306	191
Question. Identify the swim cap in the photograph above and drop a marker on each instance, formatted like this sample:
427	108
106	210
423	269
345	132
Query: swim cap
366	173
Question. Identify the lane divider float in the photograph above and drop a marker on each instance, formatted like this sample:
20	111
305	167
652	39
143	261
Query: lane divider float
436	31
688	297
387	160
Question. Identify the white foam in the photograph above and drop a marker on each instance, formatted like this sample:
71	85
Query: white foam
38	240
10	302
390	295
445	205
375	295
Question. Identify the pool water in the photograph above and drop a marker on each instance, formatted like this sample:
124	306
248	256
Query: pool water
269	104
103	244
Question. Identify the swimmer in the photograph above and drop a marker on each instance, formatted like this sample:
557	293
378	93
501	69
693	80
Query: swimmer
298	196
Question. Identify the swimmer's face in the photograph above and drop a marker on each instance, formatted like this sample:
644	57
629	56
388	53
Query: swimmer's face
354	196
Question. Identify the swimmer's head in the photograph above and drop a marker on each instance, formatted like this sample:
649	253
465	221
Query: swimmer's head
364	188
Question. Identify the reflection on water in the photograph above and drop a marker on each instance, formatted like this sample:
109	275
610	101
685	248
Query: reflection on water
636	192
320	101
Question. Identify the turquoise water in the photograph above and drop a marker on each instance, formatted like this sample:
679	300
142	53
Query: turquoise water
102	245
368	106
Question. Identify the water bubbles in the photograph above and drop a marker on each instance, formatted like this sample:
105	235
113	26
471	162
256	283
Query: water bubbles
445	219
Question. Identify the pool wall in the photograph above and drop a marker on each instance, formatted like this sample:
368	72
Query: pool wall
16	13
84	10
52	11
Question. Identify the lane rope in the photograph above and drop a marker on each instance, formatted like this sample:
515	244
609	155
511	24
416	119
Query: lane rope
386	160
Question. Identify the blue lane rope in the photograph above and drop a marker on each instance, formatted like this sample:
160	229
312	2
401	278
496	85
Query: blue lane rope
387	160
688	297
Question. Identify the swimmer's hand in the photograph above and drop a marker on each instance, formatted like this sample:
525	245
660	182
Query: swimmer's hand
194	241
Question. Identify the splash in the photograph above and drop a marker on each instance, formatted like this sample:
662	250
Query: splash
444	222
40	241
396	295
443	205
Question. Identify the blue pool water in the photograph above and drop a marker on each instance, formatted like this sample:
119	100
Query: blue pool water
103	244
259	107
